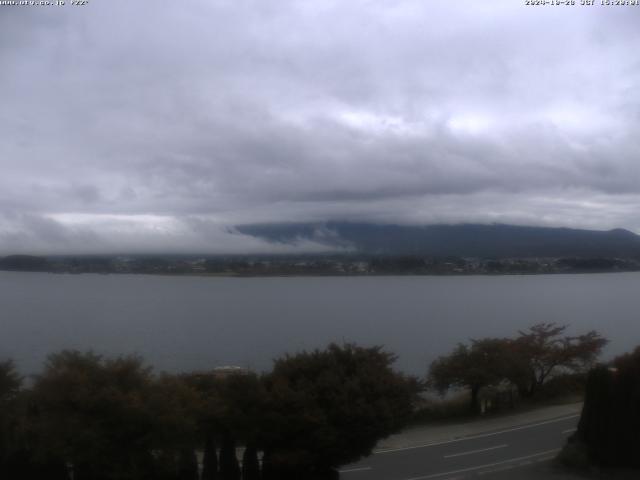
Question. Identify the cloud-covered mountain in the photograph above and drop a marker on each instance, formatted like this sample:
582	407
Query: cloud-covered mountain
467	240
193	118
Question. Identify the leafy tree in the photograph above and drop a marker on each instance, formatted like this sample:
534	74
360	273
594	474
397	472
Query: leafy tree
209	408
542	350
474	366
173	404
10	383
229	411
92	412
173	435
526	362
330	407
17	456
241	399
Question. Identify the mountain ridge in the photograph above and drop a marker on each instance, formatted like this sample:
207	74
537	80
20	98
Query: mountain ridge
464	240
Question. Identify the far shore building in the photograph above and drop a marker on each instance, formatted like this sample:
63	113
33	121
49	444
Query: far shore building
229	370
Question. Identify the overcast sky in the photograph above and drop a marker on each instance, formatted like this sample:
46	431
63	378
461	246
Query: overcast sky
158	125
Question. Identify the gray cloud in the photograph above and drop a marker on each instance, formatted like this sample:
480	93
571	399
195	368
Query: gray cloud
146	125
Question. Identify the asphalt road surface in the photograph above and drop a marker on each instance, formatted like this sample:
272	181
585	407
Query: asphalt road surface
487	455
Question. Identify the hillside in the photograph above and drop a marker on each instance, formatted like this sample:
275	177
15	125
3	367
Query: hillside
466	240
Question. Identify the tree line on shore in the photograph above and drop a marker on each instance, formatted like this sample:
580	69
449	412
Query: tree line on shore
87	417
323	264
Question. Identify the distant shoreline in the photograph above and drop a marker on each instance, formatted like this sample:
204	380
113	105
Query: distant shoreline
316	265
325	275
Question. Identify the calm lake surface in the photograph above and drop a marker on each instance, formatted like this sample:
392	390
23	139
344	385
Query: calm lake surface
189	323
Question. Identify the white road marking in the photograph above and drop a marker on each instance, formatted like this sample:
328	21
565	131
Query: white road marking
515	465
496	470
473	437
359	469
545	459
569	430
470	452
488	465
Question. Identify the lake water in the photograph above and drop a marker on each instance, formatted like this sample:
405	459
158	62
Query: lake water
189	323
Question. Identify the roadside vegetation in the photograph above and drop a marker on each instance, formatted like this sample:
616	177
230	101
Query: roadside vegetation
539	364
608	434
86	417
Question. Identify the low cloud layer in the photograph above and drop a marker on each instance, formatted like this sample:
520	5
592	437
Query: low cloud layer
133	126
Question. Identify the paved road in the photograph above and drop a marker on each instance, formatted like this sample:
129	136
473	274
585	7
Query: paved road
486	455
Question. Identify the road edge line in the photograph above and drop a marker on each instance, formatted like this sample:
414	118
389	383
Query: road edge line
473	437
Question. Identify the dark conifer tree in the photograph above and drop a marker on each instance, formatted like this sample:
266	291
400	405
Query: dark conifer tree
54	469
250	464
229	468
166	466
268	472
187	465
210	459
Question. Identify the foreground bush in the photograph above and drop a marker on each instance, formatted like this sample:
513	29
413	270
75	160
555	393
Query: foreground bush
88	417
328	408
609	428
